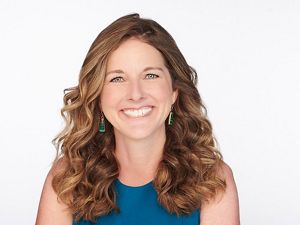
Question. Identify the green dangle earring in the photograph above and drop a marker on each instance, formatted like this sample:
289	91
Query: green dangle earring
171	117
102	124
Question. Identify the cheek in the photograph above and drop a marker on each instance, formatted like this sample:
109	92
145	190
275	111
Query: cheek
162	92
109	98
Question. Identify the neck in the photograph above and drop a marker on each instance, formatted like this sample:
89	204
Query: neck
139	158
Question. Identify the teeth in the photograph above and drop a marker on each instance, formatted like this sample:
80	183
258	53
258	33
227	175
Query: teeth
137	112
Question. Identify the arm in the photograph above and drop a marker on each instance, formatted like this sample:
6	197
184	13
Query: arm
224	209
51	211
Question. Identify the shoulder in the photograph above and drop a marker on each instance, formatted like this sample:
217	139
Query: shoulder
51	210
224	209
226	172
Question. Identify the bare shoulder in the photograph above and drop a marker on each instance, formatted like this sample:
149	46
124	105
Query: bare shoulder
224	209
51	211
226	172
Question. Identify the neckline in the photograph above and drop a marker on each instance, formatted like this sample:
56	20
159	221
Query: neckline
134	187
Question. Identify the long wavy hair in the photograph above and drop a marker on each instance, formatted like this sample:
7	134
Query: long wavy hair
186	176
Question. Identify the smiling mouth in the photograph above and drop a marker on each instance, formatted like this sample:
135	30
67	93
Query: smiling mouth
135	113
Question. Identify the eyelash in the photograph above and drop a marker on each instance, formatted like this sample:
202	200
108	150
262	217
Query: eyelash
156	76
114	79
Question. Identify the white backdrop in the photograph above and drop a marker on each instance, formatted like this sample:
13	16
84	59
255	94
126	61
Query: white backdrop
246	53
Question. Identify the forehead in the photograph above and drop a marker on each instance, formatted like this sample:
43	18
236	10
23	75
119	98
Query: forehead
134	52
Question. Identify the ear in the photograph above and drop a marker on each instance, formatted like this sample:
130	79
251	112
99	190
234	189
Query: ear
174	96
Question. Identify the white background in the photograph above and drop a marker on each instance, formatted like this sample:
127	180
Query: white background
246	53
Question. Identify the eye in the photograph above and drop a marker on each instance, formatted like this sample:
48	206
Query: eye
116	79
152	76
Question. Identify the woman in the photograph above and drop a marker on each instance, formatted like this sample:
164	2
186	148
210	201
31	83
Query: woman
137	147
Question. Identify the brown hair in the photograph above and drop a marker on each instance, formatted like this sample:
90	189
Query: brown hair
187	174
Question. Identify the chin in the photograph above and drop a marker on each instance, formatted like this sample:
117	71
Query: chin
136	133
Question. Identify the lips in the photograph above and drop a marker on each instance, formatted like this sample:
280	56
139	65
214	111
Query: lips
137	112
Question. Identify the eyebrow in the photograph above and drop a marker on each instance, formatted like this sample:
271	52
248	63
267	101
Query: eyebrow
146	69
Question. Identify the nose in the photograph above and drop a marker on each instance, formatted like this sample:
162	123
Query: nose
135	90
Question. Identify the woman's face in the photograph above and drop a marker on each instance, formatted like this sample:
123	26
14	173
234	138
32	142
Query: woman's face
137	95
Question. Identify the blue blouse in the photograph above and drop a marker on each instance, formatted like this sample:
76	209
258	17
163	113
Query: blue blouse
139	206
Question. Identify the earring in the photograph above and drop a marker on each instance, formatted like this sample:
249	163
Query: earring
171	117
102	124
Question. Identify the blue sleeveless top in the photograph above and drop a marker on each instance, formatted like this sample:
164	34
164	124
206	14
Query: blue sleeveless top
139	206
